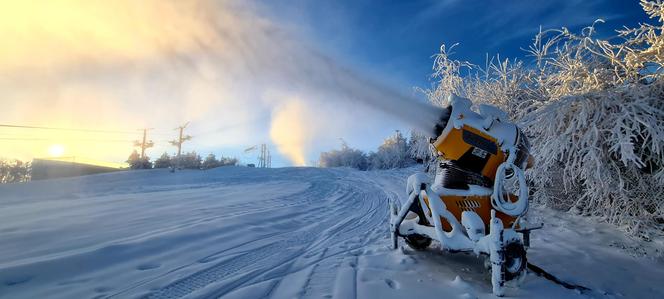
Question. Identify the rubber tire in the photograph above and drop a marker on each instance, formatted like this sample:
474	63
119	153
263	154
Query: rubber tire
418	242
514	251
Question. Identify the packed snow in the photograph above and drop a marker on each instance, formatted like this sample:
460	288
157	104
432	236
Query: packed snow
237	232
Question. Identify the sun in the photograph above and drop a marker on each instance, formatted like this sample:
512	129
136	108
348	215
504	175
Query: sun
56	150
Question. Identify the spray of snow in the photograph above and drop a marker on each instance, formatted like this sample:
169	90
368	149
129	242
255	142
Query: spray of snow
288	132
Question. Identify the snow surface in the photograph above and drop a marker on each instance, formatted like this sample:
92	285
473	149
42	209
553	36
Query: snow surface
238	232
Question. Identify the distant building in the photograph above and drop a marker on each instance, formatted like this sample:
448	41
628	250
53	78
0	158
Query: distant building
43	169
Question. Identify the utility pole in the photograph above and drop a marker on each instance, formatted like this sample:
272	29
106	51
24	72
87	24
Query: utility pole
181	139
145	144
269	159
263	161
264	156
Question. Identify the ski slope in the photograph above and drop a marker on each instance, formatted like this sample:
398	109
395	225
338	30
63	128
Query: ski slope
237	232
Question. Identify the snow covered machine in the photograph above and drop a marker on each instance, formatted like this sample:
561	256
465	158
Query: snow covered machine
478	199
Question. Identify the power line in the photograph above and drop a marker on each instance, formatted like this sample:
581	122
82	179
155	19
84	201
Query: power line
230	126
64	140
65	129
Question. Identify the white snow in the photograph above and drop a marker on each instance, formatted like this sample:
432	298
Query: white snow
237	232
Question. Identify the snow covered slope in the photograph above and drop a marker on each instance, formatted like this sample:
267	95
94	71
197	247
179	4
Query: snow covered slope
281	233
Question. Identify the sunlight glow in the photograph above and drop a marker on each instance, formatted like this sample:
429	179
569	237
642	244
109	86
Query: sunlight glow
56	150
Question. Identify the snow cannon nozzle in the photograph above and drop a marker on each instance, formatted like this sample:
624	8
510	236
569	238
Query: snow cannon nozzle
442	121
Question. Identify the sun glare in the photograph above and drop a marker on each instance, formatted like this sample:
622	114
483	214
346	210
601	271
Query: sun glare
56	150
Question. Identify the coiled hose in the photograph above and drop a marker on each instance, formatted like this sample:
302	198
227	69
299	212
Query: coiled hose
500	198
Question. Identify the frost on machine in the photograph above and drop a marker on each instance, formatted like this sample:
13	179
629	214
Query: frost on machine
478	200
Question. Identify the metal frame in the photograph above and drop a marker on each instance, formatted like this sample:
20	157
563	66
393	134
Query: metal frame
492	243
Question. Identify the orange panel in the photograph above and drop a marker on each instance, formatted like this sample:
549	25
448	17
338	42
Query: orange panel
479	204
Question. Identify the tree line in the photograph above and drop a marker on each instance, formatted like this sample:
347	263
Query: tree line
396	152
190	160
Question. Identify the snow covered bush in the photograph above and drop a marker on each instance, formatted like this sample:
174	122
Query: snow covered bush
164	161
135	161
344	157
419	147
594	110
14	171
190	160
393	153
211	161
228	161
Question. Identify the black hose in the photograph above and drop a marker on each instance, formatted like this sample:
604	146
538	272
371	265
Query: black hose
540	272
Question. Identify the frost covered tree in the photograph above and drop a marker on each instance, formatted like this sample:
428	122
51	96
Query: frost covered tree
594	112
344	157
136	162
190	160
228	161
393	153
210	162
164	161
14	171
419	147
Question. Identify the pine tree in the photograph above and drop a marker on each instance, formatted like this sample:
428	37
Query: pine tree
163	162
136	162
393	153
211	162
191	160
345	157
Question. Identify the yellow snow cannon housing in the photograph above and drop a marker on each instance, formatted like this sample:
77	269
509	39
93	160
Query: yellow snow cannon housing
456	143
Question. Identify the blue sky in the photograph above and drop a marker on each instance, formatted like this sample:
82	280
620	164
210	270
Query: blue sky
396	39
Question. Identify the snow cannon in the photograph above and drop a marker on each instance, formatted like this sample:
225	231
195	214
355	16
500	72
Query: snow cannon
478	199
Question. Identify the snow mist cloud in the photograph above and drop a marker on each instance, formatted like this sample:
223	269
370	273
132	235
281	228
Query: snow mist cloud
111	64
290	132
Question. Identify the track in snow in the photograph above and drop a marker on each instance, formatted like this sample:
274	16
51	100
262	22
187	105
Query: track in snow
341	210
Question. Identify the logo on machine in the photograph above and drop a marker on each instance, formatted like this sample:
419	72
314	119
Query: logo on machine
479	152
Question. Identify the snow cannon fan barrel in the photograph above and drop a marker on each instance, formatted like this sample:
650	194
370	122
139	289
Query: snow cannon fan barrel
479	142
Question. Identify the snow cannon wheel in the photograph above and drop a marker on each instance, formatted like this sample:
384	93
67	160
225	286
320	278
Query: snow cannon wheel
418	242
515	261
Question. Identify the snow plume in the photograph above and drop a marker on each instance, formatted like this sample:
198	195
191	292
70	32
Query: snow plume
345	84
290	130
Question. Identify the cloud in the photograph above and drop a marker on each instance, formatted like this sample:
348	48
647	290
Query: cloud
54	35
